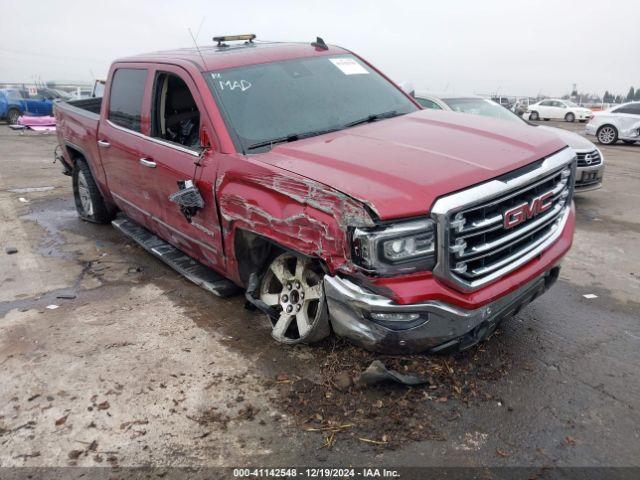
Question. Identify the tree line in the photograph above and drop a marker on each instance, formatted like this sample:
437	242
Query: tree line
632	95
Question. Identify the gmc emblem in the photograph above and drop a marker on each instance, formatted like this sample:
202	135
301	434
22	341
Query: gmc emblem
516	215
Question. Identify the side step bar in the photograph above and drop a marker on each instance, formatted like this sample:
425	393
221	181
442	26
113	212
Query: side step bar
182	263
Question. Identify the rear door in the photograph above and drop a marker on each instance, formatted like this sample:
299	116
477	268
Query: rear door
544	109
35	102
121	141
178	115
627	117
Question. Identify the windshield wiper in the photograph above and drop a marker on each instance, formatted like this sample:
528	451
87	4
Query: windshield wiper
292	138
372	118
298	136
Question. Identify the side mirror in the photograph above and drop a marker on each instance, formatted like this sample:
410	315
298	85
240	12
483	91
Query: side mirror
407	87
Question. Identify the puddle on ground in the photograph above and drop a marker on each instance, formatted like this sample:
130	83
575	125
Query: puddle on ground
57	216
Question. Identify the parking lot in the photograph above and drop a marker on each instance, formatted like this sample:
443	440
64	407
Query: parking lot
108	357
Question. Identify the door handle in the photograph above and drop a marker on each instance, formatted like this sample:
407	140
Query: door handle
103	144
147	162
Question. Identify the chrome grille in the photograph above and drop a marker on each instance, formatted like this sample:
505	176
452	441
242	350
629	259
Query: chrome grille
493	228
589	159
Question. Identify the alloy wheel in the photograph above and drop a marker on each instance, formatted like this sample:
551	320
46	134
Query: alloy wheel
607	135
293	287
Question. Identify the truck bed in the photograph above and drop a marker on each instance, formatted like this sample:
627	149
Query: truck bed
91	105
77	124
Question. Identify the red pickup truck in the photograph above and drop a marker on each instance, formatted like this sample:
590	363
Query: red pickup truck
302	174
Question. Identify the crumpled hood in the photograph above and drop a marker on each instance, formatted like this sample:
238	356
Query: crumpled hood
400	166
575	141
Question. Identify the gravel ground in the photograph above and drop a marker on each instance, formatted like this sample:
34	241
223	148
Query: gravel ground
107	357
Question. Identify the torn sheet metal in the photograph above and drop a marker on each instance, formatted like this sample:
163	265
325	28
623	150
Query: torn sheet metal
377	373
346	210
296	212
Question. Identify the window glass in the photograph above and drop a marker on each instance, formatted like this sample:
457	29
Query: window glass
546	103
428	103
14	95
634	108
175	116
300	97
125	101
482	106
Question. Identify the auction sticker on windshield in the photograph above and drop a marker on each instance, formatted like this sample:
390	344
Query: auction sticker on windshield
348	66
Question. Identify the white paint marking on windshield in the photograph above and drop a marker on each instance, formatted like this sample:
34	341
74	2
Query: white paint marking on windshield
243	85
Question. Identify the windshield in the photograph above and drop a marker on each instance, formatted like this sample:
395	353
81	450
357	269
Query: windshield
284	101
481	106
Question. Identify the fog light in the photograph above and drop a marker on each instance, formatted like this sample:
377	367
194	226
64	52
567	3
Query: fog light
399	321
395	317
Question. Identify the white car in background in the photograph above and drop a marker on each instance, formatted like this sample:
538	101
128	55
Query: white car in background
590	159
554	109
621	122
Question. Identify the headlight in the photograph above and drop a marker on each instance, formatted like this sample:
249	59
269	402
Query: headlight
398	247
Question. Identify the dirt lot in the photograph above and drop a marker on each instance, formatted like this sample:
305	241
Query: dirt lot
107	357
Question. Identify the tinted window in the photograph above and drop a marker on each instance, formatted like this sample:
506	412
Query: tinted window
125	101
546	103
293	98
633	108
428	103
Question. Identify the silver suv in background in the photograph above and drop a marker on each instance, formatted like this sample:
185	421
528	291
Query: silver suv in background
621	122
590	158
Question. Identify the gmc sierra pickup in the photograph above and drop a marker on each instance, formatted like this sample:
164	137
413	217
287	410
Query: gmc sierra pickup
302	174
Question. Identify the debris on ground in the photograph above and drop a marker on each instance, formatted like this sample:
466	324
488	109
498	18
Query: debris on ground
377	373
590	296
53	306
386	401
66	296
61	421
11	250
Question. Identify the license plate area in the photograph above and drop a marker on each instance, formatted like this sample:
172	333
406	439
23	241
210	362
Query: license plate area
589	176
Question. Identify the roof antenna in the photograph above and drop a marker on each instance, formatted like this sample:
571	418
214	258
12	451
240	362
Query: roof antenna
319	44
204	64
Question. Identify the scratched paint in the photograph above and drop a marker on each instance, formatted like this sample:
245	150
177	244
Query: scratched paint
315	223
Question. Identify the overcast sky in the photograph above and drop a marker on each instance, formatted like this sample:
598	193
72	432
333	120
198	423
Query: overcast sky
464	46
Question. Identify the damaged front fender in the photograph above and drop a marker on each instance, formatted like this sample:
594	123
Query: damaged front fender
295	212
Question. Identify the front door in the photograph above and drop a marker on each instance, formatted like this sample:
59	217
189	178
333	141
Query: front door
177	118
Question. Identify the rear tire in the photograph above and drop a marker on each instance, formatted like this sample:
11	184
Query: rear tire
90	204
534	116
607	135
570	117
12	116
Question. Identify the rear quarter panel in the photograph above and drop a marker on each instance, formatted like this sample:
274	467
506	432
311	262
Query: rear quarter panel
77	130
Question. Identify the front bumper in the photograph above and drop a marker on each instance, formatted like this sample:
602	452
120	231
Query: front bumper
443	325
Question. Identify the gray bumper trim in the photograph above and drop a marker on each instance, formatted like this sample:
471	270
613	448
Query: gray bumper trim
350	308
